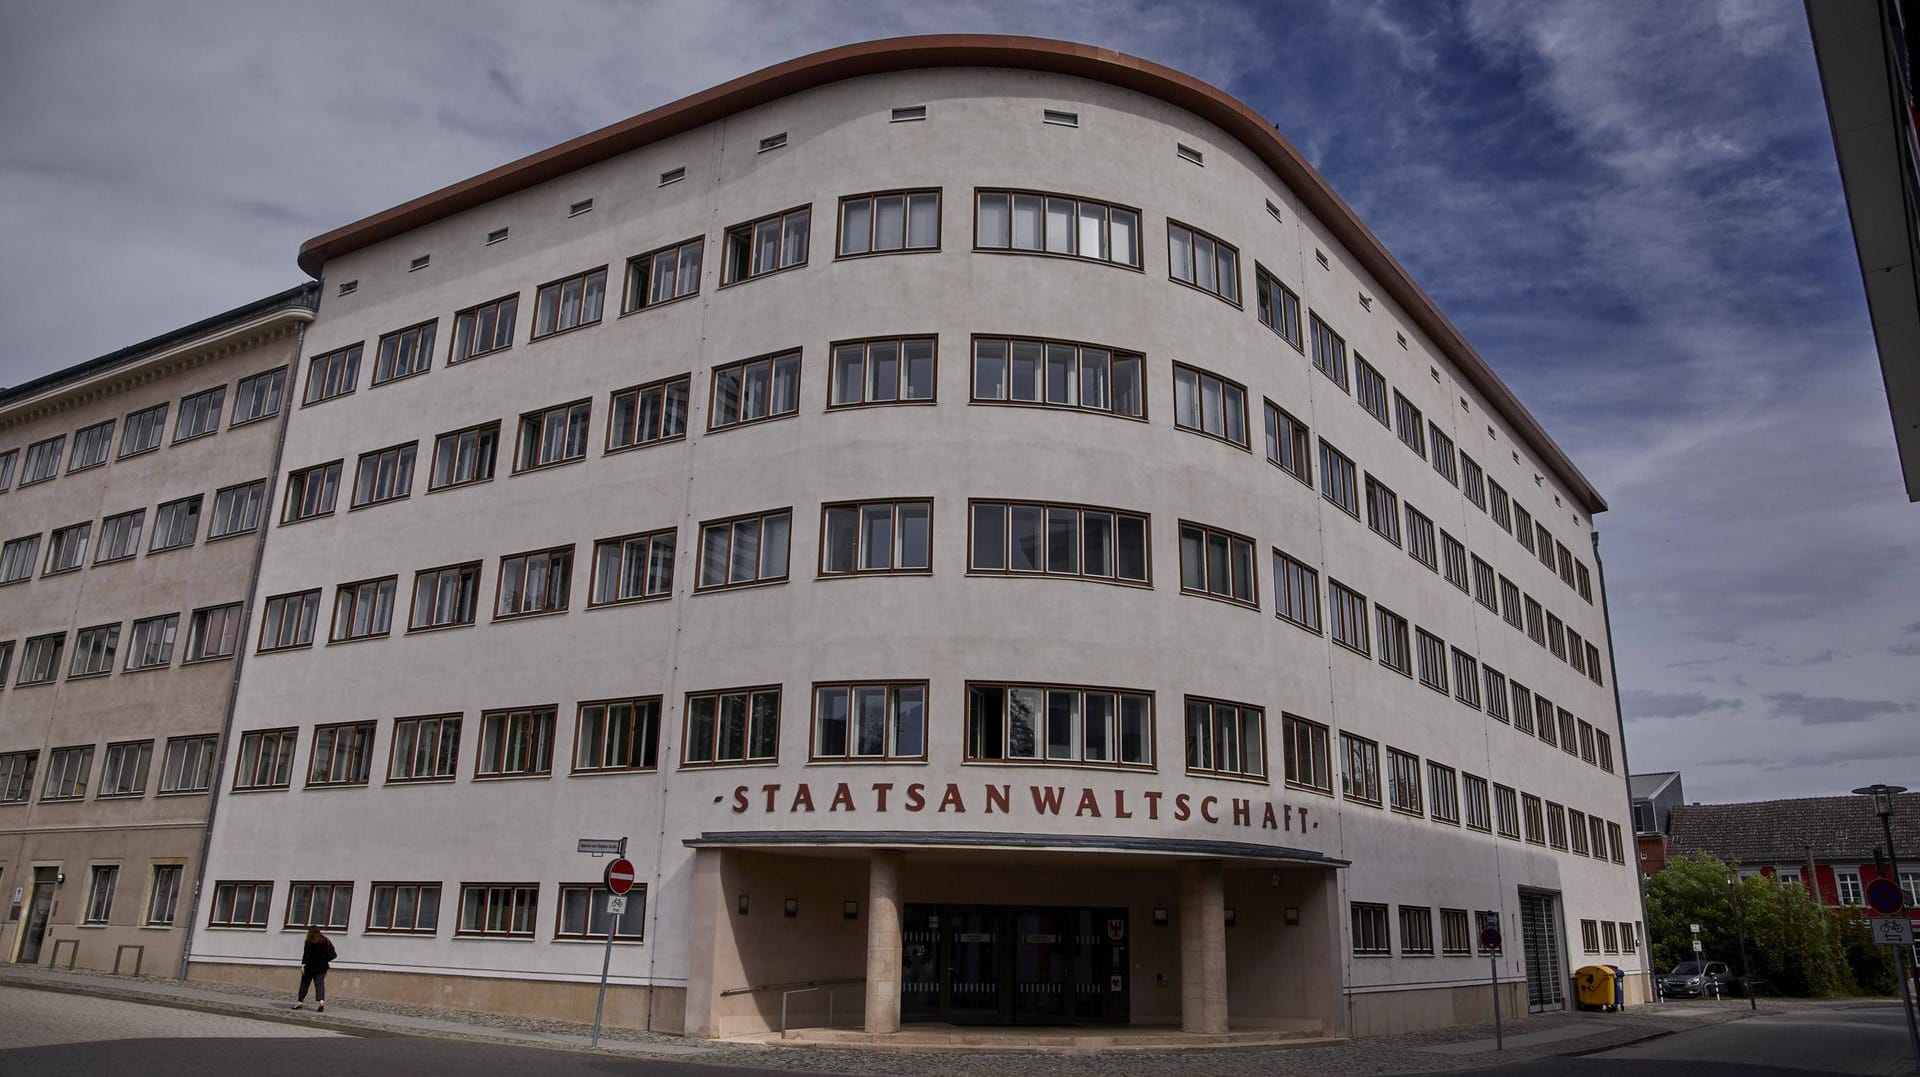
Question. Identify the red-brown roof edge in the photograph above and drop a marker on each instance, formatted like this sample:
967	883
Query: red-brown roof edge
979	50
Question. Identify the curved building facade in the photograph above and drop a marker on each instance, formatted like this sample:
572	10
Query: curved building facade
989	528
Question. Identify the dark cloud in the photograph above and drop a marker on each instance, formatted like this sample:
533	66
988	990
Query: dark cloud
1912	629
1828	710
1640	703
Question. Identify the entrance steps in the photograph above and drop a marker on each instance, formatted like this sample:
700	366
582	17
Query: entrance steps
1084	1040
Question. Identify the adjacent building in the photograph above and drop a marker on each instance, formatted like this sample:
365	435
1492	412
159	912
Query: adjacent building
1654	796
1825	844
132	492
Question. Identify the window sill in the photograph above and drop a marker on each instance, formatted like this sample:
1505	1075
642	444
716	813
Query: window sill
866	761
1008	574
421	630
531	469
530	615
569	329
873	572
860	405
1065	764
1298	788
121	560
138	452
728	764
725	284
616	450
256	420
1225	599
1227	776
1048	406
185	662
196	437
856	256
438	779
538	776
184	793
94	676
357	639
643	600
721	588
423	371
1061	256
458	485
613	772
326	399
376	504
290	521
1190	285
238	789
601	941
695	294
760	421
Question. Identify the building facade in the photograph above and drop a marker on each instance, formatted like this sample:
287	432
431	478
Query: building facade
1825	844
132	491
986	524
1654	796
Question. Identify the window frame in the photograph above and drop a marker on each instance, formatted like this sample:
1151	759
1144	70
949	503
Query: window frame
1365	788
218	394
1240	713
1263	304
472	314
371	926
639	393
133	641
197	631
1138	265
83	638
312	620
58	651
749	694
539	758
1443	809
1335	366
341	362
423	345
1406	793
731	275
282	739
105	446
516	892
906	222
317	778
75	780
643	264
259	905
629	927
199	751
439	753
1006	505
1080	347
1200	377
1235	541
1194	235
1347	477
1040	758
900	399
238	490
774	360
1383	510
559	287
278	395
700	586
493	462
1336	591
1362	934
1298	440
644	755
890	735
297	481
647	594
521	611
1319	745
407	450
861	546
539	416
350	593
1287	597
154	428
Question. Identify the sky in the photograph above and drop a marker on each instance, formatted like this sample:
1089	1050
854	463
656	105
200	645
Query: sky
1631	209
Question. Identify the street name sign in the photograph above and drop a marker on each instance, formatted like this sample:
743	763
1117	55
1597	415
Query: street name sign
603	846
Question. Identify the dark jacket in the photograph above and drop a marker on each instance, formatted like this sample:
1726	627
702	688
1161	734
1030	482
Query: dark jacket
318	955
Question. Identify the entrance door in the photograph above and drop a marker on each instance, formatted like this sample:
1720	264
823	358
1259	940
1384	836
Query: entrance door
976	965
1540	941
998	965
1042	950
39	909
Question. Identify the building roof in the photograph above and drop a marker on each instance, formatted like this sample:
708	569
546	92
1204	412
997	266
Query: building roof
1648	786
981	50
1789	831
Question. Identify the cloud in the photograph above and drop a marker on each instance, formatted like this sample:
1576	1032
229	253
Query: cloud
1828	710
1640	703
1912	629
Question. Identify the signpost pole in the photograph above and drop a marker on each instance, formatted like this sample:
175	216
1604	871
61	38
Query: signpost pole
1499	1039
606	961
1490	941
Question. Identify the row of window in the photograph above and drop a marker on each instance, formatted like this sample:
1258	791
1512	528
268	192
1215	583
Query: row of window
186	766
213	632
237	510
162	898
1604	936
255	397
1372	932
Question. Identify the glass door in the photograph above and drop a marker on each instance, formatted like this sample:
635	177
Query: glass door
1042	952
920	979
976	965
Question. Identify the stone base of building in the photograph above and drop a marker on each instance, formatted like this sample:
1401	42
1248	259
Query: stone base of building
657	1009
1388	1013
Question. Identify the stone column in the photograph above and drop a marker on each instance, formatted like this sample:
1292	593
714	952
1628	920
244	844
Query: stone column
706	919
1203	947
883	943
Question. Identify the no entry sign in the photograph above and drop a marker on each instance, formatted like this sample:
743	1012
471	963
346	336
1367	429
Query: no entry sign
620	875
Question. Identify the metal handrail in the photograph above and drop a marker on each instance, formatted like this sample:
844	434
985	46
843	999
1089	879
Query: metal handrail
823	985
731	991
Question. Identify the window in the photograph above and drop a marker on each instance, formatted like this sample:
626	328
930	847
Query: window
664	275
40	659
163	895
1615	847
648	414
199	414
1370	389
266	759
1056	224
90	446
744	550
67	548
1383	510
1212	562
1019	723
1508	805
1420	544
483	329
1534	818
342	754
752	390
236	511
1347	609
1453	561
93	650
43	460
1569	736
1288	447
1586	743
630	568
1360	776
257	397
872	537
1454	937
1296	592
1474	793
673	175
540	581
7	461
1556	825
890	222
18	557
1408	423
1416	931
1909	885
1278	305
1566	563
1395	649
404	909
464	456
425	749
1609	934
101	883
516	743
1543	545
1523	526
1329	351
583	914
1510	603
1499	507
1432	653
311	492
1189	154
1370	932
1337	481
1536	623
874	720
1584	581
554	435
901	371
188	765
1604	746
499	911
1556	637
288	621
1543	715
1444	461
617	734
1576	654
1496	694
1473	482
1590	936
1198	259
1577	831
124	773
1226	739
1593	663
1596	829
1484	591
6	661
240	904
68	770
1304	747
740	725
1466	678
404	353
383	475
569	303
1059	374
1211	405
322	905
150	642
214	632
362	610
767	245
1442	793
16	776
1403	781
142	433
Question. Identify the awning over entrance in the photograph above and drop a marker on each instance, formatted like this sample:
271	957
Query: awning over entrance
862	842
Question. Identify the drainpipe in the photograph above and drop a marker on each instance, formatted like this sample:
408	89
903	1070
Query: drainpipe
1626	769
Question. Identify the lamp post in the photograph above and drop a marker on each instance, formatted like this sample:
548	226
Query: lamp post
1740	931
1883	802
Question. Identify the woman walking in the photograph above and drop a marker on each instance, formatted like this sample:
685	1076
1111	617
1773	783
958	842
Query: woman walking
314	959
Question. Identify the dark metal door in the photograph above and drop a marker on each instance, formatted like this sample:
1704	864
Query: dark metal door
921	937
1540	941
39	909
976	965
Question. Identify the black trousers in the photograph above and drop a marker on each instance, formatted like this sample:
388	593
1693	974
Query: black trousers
316	977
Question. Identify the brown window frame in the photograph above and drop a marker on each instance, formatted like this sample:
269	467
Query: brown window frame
632	924
747	759
1298	441
439	732
539	417
410	450
774	360
493	466
260	644
460	930
906	222
278	734
1348	782
1080	347
558	285
535	711
472	316
500	581
413	607
423	345
254	902
671	534
156	428
219	393
730	274
644	262
1208	533
901	342
1040	758
1290	722
650	757
639	392
1138	265
1415	775
700	586
287	922
1212	704
860	536
1146	532
350	592
890	690
371	927
1193	262
348	358
106	446
1200	376
1262	276
297	479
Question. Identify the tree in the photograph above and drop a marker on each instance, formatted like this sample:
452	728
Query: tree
1794	946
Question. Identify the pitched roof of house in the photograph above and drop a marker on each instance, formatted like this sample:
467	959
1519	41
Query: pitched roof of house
1789	831
1648	786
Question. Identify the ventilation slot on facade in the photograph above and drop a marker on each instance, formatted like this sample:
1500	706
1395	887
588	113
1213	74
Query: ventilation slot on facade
583	206
908	114
1274	211
1321	256
773	142
1402	338
673	175
1434	372
1060	119
1491	435
1464	406
1366	301
419	263
1188	153
498	235
348	287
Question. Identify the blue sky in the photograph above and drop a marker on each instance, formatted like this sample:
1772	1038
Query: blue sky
1631	209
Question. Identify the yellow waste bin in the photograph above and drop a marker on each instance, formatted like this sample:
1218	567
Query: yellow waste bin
1594	987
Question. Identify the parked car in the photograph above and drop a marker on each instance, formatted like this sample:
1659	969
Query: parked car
1702	979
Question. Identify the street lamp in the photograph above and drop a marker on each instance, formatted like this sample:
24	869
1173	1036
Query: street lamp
1740	930
1883	802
